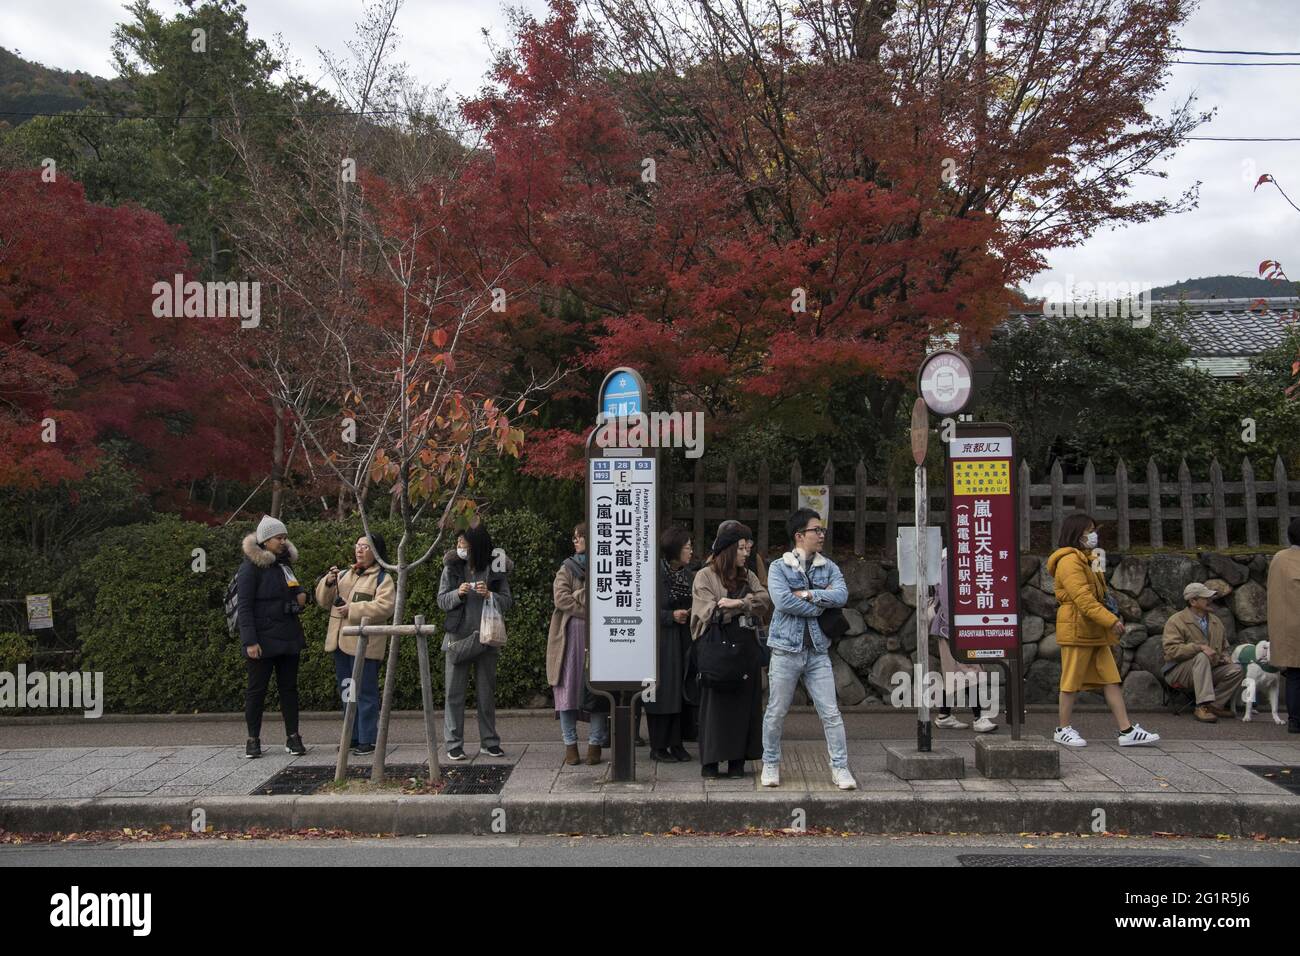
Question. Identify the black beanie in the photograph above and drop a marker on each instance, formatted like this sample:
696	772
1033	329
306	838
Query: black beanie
729	532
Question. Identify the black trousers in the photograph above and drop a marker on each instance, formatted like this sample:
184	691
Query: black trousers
665	730
286	682
1293	695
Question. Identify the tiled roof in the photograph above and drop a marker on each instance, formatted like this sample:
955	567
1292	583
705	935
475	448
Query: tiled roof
1231	328
1223	333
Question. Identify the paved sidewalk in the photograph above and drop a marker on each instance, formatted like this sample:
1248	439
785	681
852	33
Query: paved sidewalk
1174	766
1194	787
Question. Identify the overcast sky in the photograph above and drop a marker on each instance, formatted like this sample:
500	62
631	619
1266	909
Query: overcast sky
1230	231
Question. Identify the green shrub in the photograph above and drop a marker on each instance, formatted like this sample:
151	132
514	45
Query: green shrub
156	628
15	649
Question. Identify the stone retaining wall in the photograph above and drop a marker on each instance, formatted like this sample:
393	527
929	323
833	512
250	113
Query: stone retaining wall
1149	588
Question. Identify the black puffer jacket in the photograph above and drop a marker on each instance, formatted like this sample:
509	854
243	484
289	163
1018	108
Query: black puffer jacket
264	598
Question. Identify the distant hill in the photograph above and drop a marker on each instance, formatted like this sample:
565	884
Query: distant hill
27	87
1225	287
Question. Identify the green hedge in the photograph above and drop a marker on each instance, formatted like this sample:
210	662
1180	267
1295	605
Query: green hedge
156	628
15	649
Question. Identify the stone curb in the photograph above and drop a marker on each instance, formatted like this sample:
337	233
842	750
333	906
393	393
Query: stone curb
1240	815
27	720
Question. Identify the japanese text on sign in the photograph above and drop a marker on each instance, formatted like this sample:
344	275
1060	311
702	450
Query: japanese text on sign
622	617
982	515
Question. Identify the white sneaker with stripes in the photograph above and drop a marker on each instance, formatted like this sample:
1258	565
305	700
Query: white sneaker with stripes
1136	737
1069	737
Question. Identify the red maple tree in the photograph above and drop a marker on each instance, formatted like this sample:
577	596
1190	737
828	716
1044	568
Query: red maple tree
764	202
80	347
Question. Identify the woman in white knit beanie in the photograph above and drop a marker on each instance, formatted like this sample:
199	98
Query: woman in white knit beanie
270	598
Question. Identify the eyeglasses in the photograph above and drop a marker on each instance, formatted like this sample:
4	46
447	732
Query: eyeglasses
821	531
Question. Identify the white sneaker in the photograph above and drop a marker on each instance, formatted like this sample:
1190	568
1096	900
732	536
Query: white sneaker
1069	736
841	777
985	726
771	775
950	723
1137	737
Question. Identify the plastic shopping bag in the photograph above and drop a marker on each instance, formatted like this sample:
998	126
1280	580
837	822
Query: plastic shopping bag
492	626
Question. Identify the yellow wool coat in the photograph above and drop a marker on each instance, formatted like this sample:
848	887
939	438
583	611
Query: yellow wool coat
1082	618
363	600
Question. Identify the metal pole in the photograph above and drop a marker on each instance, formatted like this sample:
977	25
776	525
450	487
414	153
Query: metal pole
350	701
1016	696
624	764
426	697
922	638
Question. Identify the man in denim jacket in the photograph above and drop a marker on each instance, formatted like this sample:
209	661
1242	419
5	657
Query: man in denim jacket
802	585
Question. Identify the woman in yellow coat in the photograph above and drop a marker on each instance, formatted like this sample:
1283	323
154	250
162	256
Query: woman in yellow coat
1086	631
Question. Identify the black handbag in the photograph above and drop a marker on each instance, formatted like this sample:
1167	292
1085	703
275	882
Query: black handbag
721	659
832	620
834	624
462	650
764	652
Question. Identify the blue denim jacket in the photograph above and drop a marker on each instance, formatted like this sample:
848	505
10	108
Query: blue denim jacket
785	577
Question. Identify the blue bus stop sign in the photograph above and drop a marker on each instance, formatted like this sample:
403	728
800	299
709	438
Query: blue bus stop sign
621	394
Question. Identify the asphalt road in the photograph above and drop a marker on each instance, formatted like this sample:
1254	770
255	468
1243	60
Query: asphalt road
811	850
542	726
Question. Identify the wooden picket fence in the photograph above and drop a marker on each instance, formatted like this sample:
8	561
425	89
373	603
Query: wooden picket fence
1122	504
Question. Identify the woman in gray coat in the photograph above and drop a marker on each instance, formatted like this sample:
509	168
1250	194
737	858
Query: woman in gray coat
469	574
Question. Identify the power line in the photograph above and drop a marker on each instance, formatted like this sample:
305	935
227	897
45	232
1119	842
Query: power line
1229	63
1193	49
1247	139
209	116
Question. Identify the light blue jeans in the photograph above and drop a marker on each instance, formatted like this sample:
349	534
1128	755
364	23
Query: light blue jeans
599	735
783	675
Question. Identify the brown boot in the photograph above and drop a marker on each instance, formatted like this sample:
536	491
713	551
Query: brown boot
593	755
1218	711
571	755
1204	716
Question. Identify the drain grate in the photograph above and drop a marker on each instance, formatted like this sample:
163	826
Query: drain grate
1070	859
301	781
488	778
1288	778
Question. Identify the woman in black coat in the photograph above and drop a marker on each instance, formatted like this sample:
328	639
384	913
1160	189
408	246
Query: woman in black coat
666	714
469	574
269	600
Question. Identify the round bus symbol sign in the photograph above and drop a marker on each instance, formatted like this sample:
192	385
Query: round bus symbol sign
945	382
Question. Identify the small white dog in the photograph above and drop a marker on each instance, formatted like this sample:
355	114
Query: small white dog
1260	676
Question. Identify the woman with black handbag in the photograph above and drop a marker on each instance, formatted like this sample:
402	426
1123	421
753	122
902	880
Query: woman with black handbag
727	602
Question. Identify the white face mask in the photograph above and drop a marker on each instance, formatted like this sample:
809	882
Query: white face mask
1090	539
462	553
